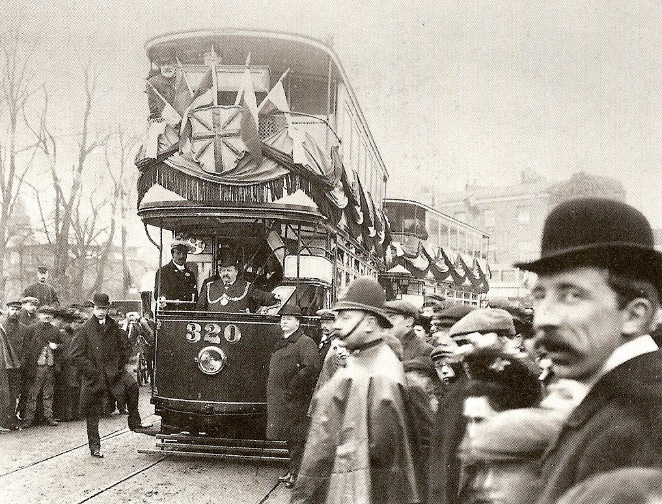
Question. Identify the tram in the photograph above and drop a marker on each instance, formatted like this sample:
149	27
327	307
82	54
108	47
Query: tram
256	145
433	254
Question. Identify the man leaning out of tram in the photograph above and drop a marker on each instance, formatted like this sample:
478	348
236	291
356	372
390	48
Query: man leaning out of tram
230	294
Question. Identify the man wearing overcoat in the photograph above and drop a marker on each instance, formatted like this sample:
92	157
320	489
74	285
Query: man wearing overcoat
101	351
595	302
42	290
293	370
361	443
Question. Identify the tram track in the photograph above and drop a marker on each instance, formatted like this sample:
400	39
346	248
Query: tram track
106	437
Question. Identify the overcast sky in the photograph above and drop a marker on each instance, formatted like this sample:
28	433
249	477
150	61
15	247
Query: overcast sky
452	91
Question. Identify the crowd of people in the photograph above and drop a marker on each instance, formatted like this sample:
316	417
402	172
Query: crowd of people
50	368
447	403
457	404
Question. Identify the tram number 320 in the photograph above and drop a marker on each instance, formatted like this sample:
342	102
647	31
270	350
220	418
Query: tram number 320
212	333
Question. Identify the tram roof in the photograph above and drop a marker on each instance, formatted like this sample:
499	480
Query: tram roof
196	216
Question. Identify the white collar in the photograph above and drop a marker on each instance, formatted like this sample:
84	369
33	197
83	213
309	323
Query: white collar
102	322
180	268
289	334
627	351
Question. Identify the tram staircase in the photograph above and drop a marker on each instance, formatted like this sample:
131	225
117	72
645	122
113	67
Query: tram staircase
187	445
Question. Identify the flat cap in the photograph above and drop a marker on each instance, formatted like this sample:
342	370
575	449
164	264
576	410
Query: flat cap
448	316
401	308
30	299
485	320
14	304
326	314
516	434
47	309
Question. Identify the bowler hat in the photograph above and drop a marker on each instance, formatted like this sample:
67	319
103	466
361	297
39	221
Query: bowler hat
598	232
364	294
101	300
400	307
292	310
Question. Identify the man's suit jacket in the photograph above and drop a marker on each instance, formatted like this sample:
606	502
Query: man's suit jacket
618	424
176	284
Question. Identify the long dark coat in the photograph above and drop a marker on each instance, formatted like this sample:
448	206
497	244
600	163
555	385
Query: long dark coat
175	284
618	424
36	338
293	371
100	353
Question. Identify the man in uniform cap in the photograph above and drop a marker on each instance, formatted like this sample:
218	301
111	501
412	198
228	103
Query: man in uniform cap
101	351
360	445
230	294
293	370
175	282
595	302
42	290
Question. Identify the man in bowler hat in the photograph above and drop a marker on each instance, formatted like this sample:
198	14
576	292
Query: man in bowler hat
293	370
360	445
595	303
175	282
101	351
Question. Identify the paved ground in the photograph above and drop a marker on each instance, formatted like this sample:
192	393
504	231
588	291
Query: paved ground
53	465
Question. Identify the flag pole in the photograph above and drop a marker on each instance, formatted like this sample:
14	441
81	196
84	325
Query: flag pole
214	77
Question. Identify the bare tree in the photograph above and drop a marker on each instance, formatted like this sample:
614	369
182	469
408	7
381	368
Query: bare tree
17	79
71	228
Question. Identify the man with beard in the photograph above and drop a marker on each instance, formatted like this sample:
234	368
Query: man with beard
229	294
101	352
595	302
175	287
360	445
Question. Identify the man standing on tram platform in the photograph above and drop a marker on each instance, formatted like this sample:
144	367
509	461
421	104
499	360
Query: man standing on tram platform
175	281
42	290
229	294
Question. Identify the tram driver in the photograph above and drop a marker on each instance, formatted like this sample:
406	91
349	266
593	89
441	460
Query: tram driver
228	294
175	283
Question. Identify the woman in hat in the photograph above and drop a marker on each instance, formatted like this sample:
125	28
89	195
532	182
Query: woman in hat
293	371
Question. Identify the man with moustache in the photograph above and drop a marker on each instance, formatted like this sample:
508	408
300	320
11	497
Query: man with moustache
595	302
175	282
229	294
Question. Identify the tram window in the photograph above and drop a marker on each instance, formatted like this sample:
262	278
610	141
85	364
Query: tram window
308	95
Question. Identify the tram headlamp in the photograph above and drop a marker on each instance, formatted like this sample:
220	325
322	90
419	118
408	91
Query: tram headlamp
211	360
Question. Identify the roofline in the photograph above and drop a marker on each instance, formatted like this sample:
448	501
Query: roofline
295	37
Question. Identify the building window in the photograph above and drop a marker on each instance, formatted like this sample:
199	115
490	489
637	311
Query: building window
489	217
523	214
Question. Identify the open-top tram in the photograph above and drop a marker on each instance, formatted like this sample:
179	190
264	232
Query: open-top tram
256	146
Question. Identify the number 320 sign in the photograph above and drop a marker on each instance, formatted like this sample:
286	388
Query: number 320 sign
211	333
